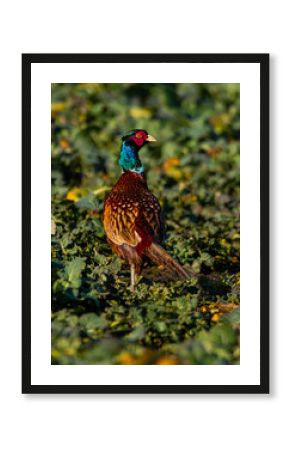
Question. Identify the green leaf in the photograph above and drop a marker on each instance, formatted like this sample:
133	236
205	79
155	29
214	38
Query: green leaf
89	202
91	322
73	271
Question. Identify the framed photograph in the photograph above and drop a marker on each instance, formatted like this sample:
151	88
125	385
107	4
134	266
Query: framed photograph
145	223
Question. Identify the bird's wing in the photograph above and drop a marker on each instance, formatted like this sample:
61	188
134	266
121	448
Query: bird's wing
130	222
119	223
151	212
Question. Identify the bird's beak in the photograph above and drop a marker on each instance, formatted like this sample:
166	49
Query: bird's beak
151	138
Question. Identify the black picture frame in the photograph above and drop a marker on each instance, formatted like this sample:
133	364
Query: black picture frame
27	61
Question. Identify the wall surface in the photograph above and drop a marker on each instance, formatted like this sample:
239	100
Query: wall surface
108	422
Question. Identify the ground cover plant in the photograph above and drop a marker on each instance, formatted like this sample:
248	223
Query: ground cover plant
194	172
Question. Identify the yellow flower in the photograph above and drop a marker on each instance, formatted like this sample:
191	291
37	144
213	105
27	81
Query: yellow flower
57	108
171	168
64	143
215	317
55	353
167	361
70	351
126	358
74	195
140	113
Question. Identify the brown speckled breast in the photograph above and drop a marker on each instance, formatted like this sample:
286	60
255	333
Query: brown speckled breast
132	213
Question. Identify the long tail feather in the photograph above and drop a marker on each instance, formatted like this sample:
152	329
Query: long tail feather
159	256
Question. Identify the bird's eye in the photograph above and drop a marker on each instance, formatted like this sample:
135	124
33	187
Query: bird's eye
138	135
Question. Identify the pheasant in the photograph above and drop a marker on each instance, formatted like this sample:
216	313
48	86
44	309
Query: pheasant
132	214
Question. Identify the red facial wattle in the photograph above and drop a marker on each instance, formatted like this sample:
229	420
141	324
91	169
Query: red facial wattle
139	138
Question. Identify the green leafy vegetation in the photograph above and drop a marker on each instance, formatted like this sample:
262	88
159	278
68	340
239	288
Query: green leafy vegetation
194	172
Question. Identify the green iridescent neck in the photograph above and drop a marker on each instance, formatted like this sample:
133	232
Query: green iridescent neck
129	159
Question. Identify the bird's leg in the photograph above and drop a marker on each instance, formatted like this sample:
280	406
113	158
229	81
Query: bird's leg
133	277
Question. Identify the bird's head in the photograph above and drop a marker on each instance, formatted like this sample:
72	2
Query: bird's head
132	142
137	138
